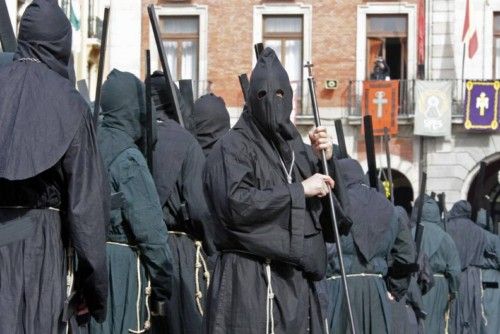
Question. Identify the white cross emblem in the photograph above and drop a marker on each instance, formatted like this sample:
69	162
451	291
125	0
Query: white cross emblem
379	100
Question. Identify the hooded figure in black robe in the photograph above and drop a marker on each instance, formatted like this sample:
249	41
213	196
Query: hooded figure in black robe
408	314
139	260
159	93
271	237
440	249
472	244
490	275
211	121
53	186
178	163
379	256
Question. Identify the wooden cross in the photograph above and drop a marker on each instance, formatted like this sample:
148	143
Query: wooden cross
309	67
482	103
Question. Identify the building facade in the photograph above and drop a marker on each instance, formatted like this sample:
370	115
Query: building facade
211	42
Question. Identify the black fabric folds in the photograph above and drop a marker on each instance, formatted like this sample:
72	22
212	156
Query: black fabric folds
372	223
164	105
469	238
34	98
211	120
123	113
45	34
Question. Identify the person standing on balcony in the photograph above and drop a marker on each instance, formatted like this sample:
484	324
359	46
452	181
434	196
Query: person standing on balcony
381	70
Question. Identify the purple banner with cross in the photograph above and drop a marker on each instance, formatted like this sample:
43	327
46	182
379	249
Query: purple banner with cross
481	105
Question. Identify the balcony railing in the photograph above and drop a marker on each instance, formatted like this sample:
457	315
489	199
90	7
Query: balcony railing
406	107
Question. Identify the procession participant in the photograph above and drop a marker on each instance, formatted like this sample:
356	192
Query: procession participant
139	260
264	193
52	185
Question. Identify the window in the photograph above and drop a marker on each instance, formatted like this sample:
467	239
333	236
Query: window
496	45
387	37
180	35
284	34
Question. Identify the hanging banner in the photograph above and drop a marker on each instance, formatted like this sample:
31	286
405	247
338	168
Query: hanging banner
433	102
481	105
381	101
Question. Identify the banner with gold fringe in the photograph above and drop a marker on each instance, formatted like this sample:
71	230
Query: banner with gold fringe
481	105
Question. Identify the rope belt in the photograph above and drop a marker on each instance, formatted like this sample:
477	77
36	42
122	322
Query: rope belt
355	275
199	263
269	299
483	315
70	276
147	292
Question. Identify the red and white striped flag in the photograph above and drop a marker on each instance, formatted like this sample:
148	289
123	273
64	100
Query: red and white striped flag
469	34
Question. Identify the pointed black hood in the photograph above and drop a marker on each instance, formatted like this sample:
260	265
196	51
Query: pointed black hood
40	110
164	106
370	211
461	209
211	119
270	102
430	212
45	35
124	114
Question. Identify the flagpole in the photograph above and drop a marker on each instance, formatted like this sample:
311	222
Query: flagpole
463	71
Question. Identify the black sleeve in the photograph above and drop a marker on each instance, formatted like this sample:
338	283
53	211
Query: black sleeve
142	211
266	222
402	261
192	190
87	214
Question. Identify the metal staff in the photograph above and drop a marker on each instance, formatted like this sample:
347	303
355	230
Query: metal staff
442	208
370	151
419	231
7	35
341	139
100	71
317	121
153	19
387	138
149	115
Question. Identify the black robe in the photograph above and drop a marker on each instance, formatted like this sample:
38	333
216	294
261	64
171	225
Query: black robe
52	170
136	234
471	241
378	256
260	216
178	165
440	249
